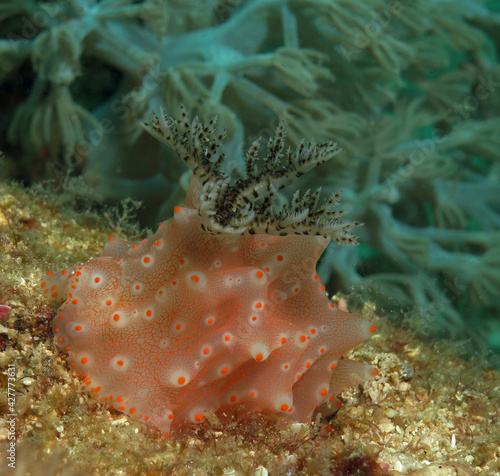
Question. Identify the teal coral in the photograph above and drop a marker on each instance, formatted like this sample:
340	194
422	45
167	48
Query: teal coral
408	89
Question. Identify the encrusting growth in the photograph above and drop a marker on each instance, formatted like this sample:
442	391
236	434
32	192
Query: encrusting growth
222	306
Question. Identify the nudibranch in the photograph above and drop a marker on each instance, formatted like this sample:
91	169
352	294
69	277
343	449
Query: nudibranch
222	306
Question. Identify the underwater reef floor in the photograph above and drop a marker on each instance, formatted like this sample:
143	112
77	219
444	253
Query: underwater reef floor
430	411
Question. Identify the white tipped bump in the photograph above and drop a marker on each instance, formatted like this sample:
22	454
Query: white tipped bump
223	370
62	339
179	379
217	264
75	328
285	367
120	363
149	313
322	350
196	280
254	320
196	415
165	419
258	277
107	302
322	392
280	259
206	351
368	329
178	327
147	261
283	403
161	295
164	343
227	338
209	320
97	280
312	331
136	288
259	352
258	305
119	319
181	214
85	360
301	339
